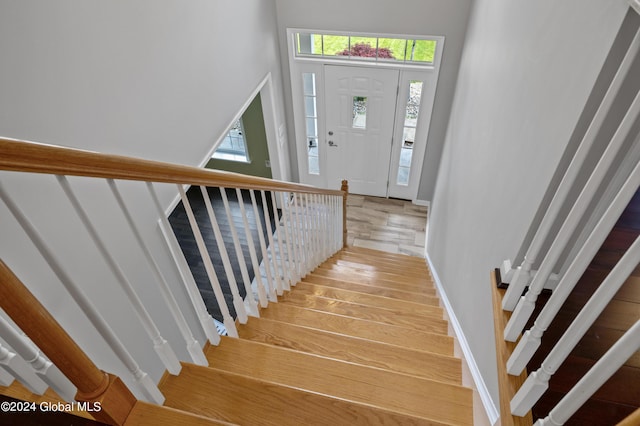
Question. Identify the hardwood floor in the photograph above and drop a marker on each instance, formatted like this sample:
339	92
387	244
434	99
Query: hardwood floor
394	226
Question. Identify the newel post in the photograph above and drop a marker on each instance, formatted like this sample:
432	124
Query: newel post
109	398
345	192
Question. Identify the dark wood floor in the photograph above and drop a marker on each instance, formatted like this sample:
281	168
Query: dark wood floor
182	229
620	395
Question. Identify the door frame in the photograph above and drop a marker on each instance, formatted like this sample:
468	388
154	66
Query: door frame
300	64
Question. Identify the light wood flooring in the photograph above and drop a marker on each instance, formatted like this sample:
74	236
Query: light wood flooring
394	226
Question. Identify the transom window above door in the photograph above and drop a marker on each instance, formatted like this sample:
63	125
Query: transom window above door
344	46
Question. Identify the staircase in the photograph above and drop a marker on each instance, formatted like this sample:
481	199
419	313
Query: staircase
324	334
360	340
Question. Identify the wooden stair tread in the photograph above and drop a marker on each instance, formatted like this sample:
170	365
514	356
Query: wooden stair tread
378	254
406	261
407	271
392	334
430	320
380	388
216	393
364	298
417	281
356	277
144	413
352	349
424	297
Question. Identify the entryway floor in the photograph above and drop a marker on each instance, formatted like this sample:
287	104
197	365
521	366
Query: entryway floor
395	226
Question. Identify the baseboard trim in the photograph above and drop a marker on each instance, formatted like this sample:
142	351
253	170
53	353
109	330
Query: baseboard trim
423	203
489	406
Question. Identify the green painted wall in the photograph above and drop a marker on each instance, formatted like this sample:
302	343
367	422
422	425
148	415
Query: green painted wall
256	138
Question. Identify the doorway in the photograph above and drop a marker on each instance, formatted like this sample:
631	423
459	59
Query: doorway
359	117
360	111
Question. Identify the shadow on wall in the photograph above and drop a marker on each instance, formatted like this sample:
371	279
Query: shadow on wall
257	148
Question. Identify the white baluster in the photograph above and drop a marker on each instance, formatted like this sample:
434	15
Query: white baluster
148	388
304	240
6	379
606	366
160	345
262	295
204	318
228	321
238	303
292	256
19	369
530	341
263	247
44	369
272	246
295	231
526	305
193	346
538	382
315	209
250	301
286	273
522	275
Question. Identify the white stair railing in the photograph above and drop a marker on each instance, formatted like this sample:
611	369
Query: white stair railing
292	240
608	364
522	275
538	382
192	345
228	320
141	378
530	341
526	305
43	368
238	302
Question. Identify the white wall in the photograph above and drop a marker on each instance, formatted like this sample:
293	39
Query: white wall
411	17
526	72
158	79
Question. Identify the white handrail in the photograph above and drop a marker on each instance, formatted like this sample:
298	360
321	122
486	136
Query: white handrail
525	307
44	369
160	345
606	366
530	341
538	382
193	347
148	388
522	276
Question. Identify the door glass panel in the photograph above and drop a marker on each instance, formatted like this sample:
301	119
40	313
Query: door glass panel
409	131
309	44
392	48
421	51
359	112
311	122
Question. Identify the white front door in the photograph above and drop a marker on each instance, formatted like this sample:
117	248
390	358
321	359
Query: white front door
360	105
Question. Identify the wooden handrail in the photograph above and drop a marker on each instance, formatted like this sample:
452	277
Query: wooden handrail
26	156
93	384
508	385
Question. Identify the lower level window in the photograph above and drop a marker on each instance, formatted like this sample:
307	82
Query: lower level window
234	145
